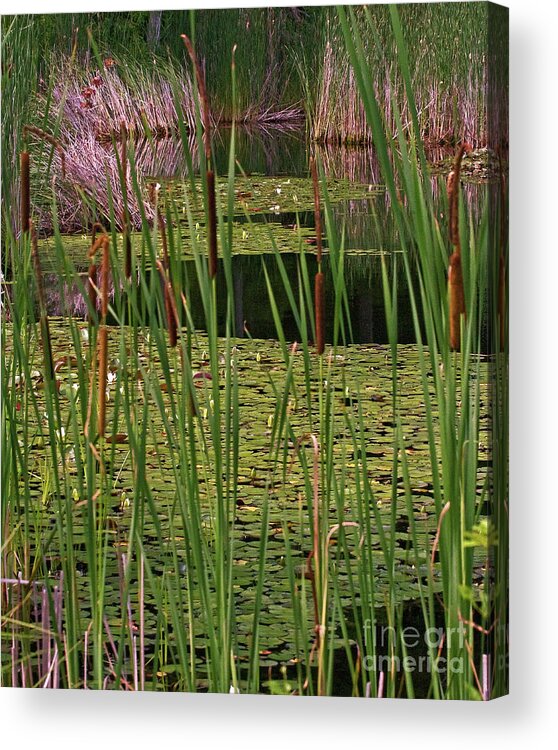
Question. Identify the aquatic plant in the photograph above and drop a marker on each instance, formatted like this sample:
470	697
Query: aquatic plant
167	526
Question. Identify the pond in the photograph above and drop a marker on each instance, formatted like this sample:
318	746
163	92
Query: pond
274	212
374	480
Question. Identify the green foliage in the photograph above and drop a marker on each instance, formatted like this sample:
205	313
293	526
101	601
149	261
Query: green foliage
165	554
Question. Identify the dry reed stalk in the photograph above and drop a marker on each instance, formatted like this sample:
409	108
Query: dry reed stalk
125	223
45	328
456	293
25	201
50	139
200	375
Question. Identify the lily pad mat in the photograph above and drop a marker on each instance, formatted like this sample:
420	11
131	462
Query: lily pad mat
264	199
359	379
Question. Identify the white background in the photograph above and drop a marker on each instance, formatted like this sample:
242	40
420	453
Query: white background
115	720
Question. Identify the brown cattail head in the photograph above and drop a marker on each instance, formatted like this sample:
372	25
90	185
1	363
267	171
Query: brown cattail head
456	300
319	304
212	225
25	191
164	268
317	212
171	311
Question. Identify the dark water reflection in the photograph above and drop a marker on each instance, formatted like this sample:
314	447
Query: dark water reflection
252	309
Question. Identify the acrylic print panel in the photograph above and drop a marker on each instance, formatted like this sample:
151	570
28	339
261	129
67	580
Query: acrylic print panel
254	374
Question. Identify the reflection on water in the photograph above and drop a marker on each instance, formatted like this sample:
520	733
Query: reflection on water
364	226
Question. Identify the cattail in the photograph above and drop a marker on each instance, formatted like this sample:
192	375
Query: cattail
319	303
25	191
45	329
212	225
92	277
125	229
96	243
171	311
456	291
456	300
43	135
